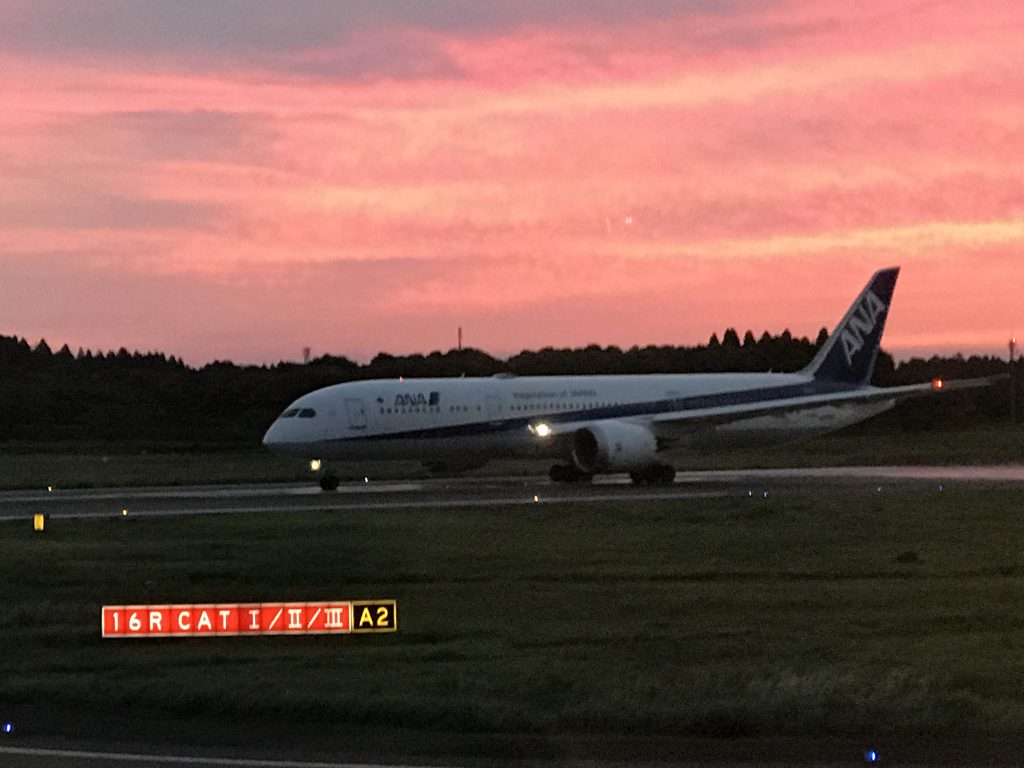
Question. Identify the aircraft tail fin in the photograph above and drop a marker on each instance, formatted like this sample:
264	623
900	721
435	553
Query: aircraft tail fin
849	354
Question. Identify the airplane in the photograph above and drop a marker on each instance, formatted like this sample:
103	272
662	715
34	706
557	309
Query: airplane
599	424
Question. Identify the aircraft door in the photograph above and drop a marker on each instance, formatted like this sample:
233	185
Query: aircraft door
356	413
494	412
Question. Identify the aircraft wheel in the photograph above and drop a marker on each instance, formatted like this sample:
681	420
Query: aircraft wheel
565	473
666	475
659	474
559	473
329	482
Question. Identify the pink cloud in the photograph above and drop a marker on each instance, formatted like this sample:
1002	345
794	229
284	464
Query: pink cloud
629	178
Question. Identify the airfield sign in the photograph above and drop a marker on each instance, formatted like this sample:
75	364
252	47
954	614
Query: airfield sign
241	619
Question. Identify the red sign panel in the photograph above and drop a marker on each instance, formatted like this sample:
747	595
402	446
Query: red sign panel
227	619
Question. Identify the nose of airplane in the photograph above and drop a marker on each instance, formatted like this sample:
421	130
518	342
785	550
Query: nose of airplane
273	436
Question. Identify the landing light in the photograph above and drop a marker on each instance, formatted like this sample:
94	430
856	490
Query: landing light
315	464
541	430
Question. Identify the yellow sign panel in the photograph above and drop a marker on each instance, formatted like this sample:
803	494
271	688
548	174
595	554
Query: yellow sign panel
39	522
374	616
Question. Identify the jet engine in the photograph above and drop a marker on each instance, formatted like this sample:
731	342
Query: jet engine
613	446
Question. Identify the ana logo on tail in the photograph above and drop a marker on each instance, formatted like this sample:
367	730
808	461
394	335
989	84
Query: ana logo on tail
862	323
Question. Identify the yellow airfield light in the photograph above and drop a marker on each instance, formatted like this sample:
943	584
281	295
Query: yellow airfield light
124	512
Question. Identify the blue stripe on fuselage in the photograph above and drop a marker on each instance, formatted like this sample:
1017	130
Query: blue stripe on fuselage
808	388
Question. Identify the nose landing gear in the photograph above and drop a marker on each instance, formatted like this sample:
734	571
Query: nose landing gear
329	482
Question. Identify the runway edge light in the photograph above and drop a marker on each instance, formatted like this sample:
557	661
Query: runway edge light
39	522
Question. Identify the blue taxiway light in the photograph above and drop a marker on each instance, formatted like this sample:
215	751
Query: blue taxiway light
8	727
871	756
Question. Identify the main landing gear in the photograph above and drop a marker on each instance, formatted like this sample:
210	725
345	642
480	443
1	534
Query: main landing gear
567	473
658	474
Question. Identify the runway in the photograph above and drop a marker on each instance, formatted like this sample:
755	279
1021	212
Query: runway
43	758
480	492
28	757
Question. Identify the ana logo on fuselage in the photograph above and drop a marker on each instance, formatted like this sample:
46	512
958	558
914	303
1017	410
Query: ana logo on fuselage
417	399
862	324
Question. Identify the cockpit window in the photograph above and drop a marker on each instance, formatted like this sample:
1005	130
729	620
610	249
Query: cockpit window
307	413
290	413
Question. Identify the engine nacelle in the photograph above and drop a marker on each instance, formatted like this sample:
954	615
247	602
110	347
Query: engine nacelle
613	446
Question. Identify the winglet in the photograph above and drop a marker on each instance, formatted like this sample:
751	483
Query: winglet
849	354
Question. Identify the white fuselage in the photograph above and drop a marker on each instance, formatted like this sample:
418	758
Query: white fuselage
485	418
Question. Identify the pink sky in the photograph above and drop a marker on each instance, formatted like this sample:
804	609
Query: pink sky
239	180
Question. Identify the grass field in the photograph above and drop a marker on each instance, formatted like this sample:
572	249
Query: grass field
77	466
853	612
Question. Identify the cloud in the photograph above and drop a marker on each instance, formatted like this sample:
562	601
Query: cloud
534	172
82	208
267	26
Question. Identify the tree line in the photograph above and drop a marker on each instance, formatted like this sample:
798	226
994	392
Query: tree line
150	398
